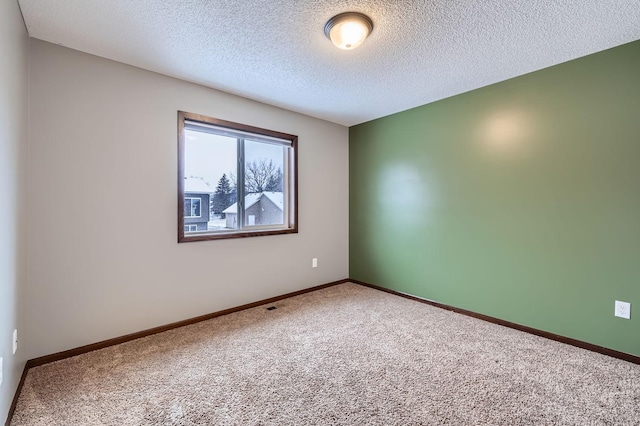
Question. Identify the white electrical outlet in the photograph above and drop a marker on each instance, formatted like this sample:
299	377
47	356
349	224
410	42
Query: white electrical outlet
314	262
623	309
15	341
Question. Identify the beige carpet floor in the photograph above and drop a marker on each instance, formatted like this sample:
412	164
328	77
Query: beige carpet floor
344	355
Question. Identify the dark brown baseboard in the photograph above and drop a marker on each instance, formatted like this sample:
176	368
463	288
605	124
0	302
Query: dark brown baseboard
117	340
569	341
14	403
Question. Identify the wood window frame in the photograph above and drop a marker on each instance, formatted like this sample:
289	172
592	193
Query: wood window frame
292	187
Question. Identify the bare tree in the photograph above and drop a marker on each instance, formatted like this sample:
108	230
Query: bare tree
261	176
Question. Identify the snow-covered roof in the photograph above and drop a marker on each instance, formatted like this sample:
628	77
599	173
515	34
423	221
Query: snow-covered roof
196	185
276	198
249	200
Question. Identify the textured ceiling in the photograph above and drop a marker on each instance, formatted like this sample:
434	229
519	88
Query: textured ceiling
275	51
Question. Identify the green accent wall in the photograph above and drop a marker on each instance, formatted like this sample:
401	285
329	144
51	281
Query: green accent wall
519	200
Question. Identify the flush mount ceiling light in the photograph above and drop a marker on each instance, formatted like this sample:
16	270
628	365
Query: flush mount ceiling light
348	30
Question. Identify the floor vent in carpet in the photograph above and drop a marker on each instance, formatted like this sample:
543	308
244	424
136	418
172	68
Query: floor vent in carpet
271	308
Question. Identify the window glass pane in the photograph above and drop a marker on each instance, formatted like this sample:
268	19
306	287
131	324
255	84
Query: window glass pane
264	183
192	206
195	207
236	180
210	176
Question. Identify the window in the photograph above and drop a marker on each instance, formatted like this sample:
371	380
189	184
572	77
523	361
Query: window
234	180
192	207
190	228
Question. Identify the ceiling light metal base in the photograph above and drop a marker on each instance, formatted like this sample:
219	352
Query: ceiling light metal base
343	17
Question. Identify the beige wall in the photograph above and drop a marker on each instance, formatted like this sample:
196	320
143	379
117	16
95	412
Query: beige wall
13	181
108	131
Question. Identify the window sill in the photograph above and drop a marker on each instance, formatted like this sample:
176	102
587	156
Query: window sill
204	236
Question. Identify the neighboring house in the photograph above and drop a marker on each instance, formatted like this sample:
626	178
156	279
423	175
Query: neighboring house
264	208
197	194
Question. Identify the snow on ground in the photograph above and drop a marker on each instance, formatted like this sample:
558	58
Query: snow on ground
216	224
